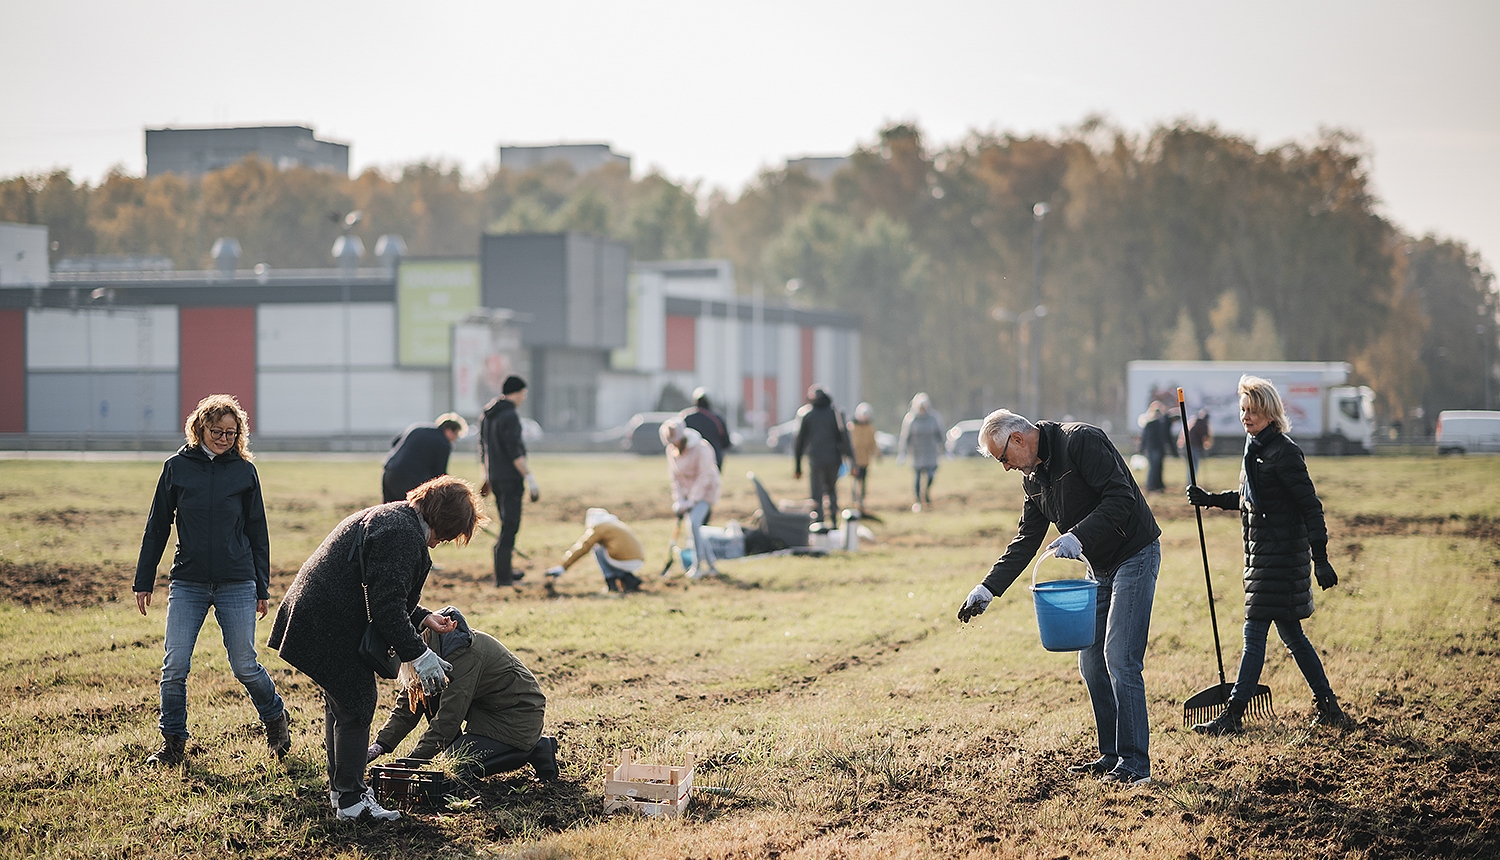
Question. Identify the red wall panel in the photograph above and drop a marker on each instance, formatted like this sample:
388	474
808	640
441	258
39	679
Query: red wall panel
217	356
13	371
682	343
768	386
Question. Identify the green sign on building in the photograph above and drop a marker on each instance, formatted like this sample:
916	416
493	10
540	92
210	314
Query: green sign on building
431	295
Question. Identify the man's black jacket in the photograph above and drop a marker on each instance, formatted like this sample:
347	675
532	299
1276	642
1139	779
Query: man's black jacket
417	456
500	444
1082	485
221	522
821	435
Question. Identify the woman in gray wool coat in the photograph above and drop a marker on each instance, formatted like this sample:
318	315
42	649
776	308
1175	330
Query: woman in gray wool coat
922	440
322	618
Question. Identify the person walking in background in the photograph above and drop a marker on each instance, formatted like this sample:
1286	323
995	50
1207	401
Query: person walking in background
370	571
695	487
420	454
1199	437
489	717
615	547
210	489
865	450
821	436
1072	475
1156	437
709	424
506	470
922	441
1281	519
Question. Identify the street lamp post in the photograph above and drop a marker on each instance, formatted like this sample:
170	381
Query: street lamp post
1038	212
1021	321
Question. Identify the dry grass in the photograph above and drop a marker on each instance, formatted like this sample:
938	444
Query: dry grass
835	704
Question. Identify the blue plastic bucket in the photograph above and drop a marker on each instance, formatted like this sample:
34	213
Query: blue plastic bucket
1065	610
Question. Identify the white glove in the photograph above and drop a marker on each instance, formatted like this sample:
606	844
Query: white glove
532	488
374	752
1066	546
976	603
555	571
678	508
430	669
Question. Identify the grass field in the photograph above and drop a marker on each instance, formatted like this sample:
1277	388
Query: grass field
835	705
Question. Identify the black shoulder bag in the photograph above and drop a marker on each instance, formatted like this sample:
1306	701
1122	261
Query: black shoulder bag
377	655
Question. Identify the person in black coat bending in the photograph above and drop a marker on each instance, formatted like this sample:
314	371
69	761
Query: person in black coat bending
1281	519
506	470
709	424
420	454
822	436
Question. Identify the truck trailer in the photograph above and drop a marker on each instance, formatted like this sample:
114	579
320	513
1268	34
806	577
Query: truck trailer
1327	416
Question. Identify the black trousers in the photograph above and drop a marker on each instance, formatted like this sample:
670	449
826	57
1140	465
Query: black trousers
346	737
825	481
483	756
508	502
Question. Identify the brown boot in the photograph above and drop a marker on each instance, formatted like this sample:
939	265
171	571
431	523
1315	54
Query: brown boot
279	735
1228	723
1329	713
173	751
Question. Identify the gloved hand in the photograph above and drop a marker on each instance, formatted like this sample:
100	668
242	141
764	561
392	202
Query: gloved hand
374	752
431	670
1199	497
975	604
678	508
555	571
1325	574
532	488
1066	546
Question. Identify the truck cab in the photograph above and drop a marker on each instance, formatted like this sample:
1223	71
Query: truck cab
1351	419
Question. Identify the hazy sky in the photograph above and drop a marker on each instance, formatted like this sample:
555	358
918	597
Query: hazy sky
717	91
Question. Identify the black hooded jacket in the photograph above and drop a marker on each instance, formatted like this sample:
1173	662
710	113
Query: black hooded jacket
500	443
221	522
821	435
1083	485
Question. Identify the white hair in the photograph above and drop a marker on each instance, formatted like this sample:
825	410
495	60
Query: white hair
672	431
998	425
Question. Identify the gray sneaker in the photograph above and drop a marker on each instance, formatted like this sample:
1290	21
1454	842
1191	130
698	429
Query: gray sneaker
367	805
1123	778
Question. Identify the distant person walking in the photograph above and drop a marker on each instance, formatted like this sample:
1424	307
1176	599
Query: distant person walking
1156	439
822	437
223	561
922	441
695	487
865	448
614	546
709	424
420	454
1199	437
1281	519
506	470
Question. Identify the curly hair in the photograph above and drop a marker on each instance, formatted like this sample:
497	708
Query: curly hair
209	410
450	506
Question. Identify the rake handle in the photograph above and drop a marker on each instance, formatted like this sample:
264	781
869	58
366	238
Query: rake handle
1202	544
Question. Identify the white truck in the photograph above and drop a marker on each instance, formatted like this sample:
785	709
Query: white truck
1327	416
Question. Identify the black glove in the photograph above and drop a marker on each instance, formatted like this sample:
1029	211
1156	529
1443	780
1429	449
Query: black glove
1324	572
1199	497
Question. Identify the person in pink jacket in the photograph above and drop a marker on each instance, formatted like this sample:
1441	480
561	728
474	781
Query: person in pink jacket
695	486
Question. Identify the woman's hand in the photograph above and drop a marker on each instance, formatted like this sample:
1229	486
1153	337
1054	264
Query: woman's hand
261	608
439	623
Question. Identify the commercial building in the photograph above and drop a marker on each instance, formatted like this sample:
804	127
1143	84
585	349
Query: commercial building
196	151
582	157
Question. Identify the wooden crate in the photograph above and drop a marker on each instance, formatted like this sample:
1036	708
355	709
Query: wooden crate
649	789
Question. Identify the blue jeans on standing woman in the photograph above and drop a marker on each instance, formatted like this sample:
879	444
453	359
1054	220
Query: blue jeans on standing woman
234	608
1254	658
1111	667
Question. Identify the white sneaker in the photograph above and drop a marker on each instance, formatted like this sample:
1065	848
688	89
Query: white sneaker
368	806
916	508
333	799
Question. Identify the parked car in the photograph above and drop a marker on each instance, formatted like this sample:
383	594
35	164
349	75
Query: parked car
963	438
781	437
886	442
530	430
1465	431
641	434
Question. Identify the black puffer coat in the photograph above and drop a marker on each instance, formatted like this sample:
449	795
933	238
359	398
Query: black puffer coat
322	618
1283	528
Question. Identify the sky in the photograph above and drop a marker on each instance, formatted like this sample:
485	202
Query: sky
716	92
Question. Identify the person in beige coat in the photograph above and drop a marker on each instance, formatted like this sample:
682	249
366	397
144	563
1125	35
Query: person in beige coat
615	547
866	450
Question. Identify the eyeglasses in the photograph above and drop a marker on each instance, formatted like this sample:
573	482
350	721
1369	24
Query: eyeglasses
1001	458
223	435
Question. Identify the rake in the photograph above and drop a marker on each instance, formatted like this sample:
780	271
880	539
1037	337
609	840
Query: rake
672	544
1209	703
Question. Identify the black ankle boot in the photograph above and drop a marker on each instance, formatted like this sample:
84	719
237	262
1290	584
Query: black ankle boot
544	758
1228	723
173	751
1329	713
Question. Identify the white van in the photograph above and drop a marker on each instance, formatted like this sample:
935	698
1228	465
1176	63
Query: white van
1464	431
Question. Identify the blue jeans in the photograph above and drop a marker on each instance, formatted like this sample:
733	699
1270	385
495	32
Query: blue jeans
1111	667
234	608
703	555
930	472
1254	658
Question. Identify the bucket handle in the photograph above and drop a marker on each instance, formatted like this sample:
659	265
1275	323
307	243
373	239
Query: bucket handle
1052	554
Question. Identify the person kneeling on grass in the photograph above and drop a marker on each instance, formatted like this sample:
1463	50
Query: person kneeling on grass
616	548
488	718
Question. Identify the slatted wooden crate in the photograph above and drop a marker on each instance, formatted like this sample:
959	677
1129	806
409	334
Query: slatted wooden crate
408	783
649	789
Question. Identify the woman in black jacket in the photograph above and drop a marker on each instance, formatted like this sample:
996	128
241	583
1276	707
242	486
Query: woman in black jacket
1282	523
222	561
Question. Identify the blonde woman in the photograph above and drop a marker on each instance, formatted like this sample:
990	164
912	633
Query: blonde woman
222	562
1285	539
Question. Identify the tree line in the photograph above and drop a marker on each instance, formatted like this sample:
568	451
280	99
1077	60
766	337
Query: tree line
1184	242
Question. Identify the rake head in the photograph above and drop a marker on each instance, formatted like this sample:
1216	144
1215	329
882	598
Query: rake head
1211	702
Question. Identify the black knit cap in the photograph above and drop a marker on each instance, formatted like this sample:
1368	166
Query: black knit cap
512	384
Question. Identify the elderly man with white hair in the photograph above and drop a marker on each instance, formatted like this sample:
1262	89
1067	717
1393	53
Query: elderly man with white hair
1074	476
695	486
